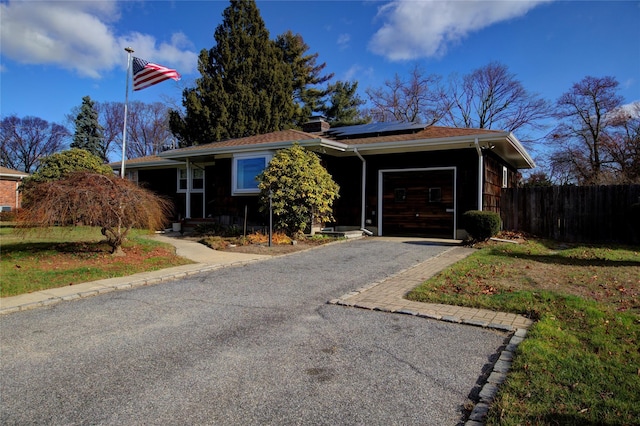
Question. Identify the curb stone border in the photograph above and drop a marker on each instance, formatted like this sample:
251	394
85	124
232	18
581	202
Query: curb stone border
134	283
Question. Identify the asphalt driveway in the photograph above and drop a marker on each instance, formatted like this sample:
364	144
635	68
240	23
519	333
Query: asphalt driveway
256	344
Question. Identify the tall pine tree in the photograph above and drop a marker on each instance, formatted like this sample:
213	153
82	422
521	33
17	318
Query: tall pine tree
88	134
246	87
307	76
343	105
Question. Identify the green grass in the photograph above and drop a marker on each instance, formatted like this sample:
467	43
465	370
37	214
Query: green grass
580	362
61	256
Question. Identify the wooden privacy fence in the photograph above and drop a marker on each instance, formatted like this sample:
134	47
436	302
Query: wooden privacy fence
573	213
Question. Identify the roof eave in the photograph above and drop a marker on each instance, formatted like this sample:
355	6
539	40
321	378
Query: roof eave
236	149
11	176
146	164
522	160
515	143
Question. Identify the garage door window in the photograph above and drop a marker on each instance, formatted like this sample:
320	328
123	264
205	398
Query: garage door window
435	195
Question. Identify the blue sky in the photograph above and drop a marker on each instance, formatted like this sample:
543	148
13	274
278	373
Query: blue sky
55	52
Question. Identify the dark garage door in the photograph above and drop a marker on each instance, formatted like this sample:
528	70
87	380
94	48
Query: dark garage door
419	203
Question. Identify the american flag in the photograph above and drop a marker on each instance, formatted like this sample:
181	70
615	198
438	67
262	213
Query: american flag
147	74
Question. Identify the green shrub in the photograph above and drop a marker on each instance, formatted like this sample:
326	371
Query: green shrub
481	225
207	229
8	216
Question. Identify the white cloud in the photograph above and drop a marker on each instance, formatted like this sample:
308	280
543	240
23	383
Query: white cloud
415	29
79	36
357	72
343	41
352	72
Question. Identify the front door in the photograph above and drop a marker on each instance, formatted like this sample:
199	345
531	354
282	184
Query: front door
419	203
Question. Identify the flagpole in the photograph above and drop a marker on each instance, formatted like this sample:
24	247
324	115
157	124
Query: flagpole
126	103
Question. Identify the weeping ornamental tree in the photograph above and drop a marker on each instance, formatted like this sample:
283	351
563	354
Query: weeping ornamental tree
115	205
301	189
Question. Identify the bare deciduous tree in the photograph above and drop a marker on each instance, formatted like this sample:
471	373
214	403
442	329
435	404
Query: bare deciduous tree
586	118
492	98
622	143
111	118
116	205
25	141
148	130
420	98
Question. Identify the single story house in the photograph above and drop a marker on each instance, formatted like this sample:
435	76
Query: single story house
395	178
10	197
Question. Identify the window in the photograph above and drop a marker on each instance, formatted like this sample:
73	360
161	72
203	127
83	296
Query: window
505	177
182	180
435	195
246	169
197	180
132	175
400	195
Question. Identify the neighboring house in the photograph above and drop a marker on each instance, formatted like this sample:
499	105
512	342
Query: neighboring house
10	197
395	178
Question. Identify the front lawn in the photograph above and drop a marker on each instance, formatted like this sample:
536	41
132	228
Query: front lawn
62	256
580	362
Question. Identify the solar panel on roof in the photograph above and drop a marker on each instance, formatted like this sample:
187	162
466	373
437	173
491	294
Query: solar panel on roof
374	128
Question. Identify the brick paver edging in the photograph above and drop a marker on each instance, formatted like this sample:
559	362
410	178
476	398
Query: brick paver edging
388	296
133	281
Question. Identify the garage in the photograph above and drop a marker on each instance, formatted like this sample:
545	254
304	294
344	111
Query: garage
418	202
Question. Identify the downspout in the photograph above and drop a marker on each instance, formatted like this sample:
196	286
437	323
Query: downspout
480	173
188	194
18	193
364	186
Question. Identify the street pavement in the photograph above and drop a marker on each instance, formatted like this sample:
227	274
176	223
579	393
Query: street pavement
255	343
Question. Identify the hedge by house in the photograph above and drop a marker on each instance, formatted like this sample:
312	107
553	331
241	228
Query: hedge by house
481	225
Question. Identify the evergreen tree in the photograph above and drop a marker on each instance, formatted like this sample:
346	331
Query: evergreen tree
307	76
343	105
88	134
246	87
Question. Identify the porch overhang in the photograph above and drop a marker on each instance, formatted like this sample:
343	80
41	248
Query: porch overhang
505	145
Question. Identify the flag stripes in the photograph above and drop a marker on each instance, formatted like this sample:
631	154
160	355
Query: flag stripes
147	74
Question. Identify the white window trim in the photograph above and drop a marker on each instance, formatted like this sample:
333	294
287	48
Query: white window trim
267	155
505	177
189	187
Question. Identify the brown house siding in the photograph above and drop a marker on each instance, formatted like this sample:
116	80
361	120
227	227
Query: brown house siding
492	187
347	172
223	206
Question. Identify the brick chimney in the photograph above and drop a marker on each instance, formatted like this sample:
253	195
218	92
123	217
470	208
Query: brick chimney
316	124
